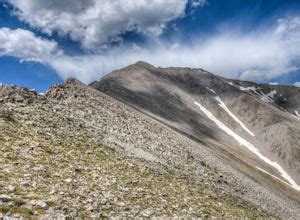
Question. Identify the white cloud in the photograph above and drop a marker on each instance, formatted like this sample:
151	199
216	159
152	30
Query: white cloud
197	3
259	56
26	46
289	29
243	57
297	84
93	22
274	83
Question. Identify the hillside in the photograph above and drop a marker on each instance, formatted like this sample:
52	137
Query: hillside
77	152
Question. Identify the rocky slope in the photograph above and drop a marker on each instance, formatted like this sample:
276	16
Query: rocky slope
77	152
255	128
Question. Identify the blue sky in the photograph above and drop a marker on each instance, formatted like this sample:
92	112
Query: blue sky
45	42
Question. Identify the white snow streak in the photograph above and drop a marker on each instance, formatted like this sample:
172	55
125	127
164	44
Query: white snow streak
249	146
247	89
298	115
272	175
222	105
213	91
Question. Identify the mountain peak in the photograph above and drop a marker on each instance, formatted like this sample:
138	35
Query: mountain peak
142	64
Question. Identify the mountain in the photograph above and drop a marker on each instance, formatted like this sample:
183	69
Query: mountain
161	142
253	127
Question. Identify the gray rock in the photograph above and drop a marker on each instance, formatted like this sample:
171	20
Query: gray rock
69	180
39	203
10	188
147	213
18	98
5	198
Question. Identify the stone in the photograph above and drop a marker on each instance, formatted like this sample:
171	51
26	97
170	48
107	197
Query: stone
27	206
69	180
147	213
5	198
121	204
39	203
25	183
10	188
18	98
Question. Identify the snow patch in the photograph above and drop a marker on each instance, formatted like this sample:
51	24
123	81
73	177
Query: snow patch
213	91
266	172
247	89
297	115
222	105
269	97
249	146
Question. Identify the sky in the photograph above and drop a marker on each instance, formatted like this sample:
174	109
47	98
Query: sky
45	42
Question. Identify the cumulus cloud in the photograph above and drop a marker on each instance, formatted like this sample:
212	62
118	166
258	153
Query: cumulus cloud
23	44
94	22
297	84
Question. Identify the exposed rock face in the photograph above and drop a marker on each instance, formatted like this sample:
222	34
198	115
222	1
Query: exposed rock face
255	127
15	94
77	152
286	98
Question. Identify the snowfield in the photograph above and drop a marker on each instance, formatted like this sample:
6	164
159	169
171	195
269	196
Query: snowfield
249	146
